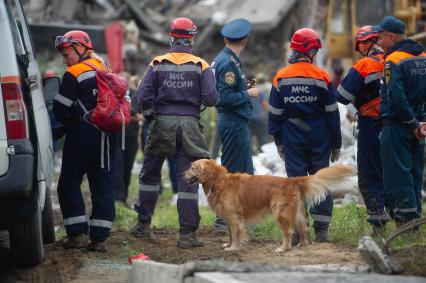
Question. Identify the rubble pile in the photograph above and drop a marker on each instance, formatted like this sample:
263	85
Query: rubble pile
145	24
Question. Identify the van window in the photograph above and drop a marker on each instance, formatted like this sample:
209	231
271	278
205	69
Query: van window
15	23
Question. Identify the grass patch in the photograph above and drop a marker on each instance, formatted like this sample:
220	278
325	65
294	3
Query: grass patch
348	224
125	217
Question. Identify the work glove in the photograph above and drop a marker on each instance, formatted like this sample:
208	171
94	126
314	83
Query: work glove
335	154
280	149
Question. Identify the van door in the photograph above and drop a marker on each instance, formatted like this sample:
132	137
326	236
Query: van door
12	47
41	117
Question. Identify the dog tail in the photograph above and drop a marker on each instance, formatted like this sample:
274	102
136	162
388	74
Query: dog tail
326	180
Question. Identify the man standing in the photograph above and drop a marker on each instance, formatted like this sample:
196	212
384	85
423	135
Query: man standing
86	148
304	119
233	105
361	88
171	93
402	107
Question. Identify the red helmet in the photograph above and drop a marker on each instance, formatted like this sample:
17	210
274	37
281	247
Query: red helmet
365	33
73	37
49	73
304	40
183	28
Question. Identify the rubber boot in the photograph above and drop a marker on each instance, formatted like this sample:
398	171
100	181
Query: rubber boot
189	240
322	236
220	225
142	230
95	246
77	242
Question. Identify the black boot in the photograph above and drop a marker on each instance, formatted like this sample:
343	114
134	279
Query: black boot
95	246
77	242
189	240
220	225
142	230
321	236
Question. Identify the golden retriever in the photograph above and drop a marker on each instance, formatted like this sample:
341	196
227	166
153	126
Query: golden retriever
241	198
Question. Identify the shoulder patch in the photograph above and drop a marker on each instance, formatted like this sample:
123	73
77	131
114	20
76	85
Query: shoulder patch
230	77
387	73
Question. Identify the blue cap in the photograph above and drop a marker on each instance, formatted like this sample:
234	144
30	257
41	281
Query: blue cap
236	29
390	24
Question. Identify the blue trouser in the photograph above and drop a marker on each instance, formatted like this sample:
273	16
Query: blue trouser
236	146
370	177
170	162
149	189
124	160
306	152
402	159
259	129
82	155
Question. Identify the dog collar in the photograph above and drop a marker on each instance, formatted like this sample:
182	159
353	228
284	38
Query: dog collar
209	193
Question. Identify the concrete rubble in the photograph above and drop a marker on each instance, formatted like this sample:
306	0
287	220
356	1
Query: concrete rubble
273	24
373	256
236	272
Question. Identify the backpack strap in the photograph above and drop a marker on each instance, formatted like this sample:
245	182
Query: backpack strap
91	65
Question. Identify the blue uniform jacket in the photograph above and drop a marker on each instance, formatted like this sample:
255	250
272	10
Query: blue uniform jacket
177	83
231	85
79	82
302	94
403	90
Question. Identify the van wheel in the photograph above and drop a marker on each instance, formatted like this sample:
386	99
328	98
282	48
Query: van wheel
26	241
48	225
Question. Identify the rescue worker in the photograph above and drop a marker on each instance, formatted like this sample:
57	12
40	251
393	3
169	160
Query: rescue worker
304	119
402	102
234	105
361	88
86	148
124	159
171	93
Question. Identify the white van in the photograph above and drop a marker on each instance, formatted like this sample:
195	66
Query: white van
25	141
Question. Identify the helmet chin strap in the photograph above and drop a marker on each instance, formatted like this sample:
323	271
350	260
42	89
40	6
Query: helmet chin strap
365	54
311	55
81	56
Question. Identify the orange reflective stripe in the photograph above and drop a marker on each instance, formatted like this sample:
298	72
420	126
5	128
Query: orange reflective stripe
397	56
371	108
11	79
80	68
180	58
302	69
367	65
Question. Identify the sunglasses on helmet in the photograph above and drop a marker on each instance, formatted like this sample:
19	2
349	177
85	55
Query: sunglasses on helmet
61	41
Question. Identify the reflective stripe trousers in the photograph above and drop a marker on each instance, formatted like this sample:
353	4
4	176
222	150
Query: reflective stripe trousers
402	159
370	176
149	189
82	155
306	152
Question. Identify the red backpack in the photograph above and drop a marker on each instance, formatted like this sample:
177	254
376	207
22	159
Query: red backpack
112	111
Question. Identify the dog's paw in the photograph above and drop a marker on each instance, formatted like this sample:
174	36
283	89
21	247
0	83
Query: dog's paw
281	250
232	248
226	245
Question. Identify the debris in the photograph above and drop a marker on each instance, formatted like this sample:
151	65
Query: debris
140	256
410	226
378	261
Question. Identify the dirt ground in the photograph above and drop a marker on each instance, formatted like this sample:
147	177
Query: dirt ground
79	266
